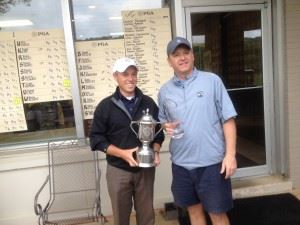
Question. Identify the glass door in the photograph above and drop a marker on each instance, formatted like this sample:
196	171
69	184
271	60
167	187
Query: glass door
231	42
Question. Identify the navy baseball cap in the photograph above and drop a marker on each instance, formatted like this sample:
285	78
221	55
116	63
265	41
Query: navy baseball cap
173	44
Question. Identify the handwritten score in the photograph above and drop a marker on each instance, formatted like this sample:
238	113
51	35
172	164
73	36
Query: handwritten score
94	63
147	33
42	64
11	105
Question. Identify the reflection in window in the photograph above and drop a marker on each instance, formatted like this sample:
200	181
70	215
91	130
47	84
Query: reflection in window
49	115
253	57
198	48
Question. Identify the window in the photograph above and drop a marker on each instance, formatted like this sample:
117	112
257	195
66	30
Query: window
36	101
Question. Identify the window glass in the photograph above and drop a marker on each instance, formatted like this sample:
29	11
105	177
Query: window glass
96	19
36	102
139	29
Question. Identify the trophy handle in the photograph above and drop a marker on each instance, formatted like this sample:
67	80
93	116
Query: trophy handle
134	122
159	129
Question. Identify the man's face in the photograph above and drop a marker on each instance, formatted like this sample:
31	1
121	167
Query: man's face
127	81
182	61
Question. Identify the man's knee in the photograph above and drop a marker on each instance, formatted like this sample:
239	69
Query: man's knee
195	209
196	214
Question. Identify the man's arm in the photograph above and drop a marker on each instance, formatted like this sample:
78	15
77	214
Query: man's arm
156	149
98	140
229	163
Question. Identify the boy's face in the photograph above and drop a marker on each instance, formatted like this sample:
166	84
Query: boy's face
127	81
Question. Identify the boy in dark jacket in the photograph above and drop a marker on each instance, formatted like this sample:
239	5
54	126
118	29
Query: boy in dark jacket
127	183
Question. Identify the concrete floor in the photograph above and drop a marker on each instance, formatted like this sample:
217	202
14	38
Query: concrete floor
159	220
241	189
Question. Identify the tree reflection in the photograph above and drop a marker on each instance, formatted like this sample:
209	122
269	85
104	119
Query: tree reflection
5	5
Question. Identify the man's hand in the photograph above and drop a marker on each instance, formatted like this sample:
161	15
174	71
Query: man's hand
126	154
156	148
229	165
170	126
156	158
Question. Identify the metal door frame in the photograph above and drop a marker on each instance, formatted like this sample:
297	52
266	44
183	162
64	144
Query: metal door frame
265	10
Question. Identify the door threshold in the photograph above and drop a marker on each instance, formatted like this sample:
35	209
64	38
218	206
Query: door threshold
258	186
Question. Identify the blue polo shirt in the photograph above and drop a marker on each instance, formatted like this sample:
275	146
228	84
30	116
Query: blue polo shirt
203	105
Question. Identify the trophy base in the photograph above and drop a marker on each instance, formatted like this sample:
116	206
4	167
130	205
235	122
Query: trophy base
146	159
145	165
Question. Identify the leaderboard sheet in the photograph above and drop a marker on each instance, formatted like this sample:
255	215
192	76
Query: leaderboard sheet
43	67
147	33
11	105
95	60
33	69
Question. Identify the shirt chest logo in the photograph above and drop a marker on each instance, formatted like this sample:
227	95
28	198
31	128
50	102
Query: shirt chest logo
200	94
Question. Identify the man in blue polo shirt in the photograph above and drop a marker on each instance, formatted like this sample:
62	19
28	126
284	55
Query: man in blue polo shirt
203	160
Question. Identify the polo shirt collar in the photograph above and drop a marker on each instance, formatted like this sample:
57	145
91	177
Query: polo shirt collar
189	78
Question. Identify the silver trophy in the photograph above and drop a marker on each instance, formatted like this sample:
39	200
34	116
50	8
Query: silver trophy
146	133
